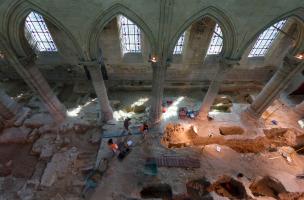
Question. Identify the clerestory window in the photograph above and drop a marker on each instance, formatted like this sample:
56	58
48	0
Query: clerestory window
216	44
265	40
129	36
37	33
178	49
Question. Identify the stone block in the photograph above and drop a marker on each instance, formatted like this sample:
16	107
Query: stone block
38	120
22	115
95	137
45	146
15	135
61	163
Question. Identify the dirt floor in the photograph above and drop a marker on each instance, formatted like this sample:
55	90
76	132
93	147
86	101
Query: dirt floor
259	162
19	157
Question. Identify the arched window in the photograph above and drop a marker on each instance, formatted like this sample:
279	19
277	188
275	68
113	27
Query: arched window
216	44
38	34
178	49
129	36
265	40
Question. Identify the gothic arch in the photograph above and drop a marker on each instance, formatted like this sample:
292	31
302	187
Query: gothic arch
297	13
15	18
105	17
227	27
4	46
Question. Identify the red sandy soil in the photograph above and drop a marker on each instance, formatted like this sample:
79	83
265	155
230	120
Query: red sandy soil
22	163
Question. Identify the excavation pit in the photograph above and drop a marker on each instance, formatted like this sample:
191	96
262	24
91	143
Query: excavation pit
178	136
230	188
163	191
267	186
198	189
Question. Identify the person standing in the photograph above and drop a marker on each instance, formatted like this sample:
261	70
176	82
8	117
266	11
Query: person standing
127	123
144	128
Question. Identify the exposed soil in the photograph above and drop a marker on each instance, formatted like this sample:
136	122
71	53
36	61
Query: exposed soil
271	187
289	136
175	136
228	187
231	130
291	196
267	186
198	189
15	159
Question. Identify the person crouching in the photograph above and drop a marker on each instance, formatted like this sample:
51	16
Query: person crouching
113	147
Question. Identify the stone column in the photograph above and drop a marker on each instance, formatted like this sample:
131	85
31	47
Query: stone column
274	87
46	94
35	80
101	91
8	107
225	65
197	41
159	75
296	82
282	45
300	109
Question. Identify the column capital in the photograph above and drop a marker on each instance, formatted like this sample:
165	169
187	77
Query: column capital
159	64
291	63
291	60
229	61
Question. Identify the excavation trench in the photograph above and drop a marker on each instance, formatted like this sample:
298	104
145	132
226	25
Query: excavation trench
176	136
198	189
271	187
225	186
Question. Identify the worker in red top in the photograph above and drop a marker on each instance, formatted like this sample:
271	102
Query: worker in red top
113	146
144	128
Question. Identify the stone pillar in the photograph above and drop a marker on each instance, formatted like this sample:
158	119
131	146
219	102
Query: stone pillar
46	94
101	91
8	107
300	109
282	44
35	80
274	87
296	82
197	41
159	75
225	65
